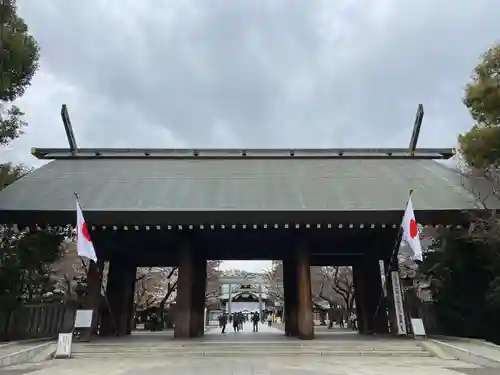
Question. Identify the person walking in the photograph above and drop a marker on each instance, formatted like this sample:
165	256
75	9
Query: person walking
236	326
240	321
270	320
354	321
255	320
223	322
341	322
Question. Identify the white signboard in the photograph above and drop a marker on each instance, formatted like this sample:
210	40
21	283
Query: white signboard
64	345
83	318
398	303
418	328
205	319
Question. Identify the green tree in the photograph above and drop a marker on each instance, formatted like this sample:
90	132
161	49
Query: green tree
26	260
463	274
19	56
482	95
481	145
10	173
464	269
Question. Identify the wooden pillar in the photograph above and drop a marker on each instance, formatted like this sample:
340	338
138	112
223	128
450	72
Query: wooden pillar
131	304
183	302
119	298
378	308
203	297
305	326
114	291
198	292
359	290
125	314
93	297
368	288
290	296
389	267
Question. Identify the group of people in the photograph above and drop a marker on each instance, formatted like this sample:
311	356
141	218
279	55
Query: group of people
340	318
237	319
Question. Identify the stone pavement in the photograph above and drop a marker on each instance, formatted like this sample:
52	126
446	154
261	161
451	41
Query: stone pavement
251	366
265	332
124	364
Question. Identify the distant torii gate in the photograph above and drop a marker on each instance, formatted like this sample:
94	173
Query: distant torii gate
240	280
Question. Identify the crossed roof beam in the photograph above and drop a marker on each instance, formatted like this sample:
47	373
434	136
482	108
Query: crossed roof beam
412	152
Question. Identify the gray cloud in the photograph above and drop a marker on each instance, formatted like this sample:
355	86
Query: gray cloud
228	73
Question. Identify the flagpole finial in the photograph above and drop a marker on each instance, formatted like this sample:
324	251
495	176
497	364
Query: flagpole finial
76	194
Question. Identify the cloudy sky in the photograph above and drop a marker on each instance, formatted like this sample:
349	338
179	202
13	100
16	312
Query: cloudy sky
252	73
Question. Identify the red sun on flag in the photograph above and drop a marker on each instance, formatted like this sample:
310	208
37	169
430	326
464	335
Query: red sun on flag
85	232
413	228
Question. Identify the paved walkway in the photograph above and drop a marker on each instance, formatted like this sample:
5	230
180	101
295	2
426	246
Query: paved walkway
251	366
265	333
239	365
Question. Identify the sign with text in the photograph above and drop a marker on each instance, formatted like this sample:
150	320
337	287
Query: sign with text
398	303
83	318
64	342
418	328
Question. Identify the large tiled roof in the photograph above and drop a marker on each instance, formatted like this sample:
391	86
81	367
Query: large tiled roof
238	184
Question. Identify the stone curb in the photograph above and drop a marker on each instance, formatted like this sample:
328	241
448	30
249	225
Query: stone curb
256	355
467	355
24	355
466	339
27	341
436	350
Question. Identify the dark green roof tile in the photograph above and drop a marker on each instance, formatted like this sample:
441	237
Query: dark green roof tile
239	184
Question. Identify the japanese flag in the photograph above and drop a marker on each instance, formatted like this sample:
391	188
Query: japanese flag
84	246
410	231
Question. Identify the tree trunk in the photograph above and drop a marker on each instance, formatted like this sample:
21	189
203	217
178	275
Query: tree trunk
161	308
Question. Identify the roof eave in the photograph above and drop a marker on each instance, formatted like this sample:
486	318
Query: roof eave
333	153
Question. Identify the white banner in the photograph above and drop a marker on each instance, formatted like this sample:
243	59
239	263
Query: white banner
398	303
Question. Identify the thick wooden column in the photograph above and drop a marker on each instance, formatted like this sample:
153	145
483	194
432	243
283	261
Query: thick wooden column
389	267
124	318
378	319
368	288
119	295
359	290
114	296
305	328
198	292
93	297
131	303
183	302
290	296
